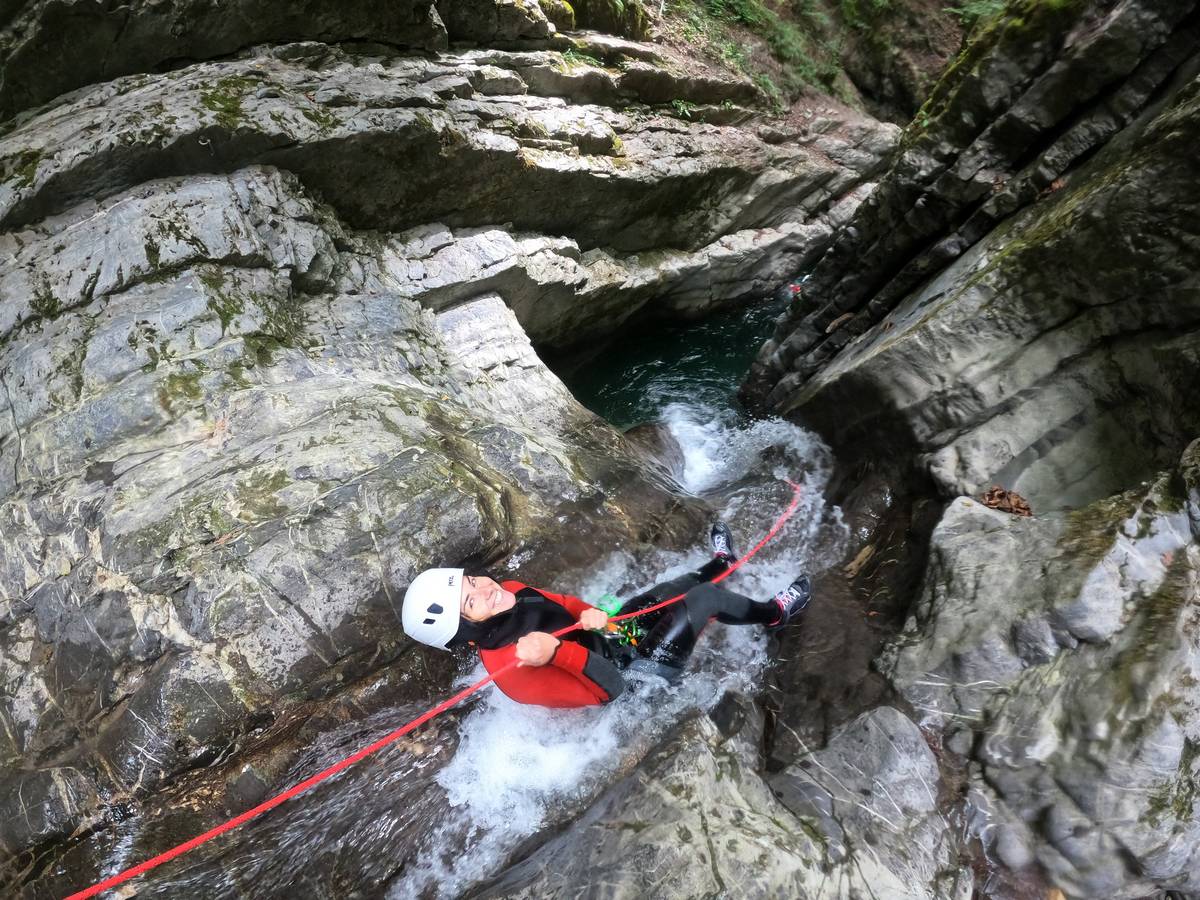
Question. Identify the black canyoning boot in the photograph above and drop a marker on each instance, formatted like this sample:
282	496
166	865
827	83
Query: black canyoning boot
791	600
721	539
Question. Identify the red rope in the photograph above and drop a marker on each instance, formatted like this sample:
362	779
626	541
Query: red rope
779	522
391	737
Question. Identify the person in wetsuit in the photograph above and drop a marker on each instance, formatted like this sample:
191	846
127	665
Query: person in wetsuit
510	621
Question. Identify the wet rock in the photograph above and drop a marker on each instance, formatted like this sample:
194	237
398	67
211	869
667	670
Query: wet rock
1189	467
659	445
1006	244
875	785
267	331
1061	651
698	809
41	805
220	473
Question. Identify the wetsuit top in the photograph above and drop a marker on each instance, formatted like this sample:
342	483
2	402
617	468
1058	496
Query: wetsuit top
575	676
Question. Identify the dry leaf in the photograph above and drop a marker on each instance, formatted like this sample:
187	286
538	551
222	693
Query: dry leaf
855	565
838	322
1006	501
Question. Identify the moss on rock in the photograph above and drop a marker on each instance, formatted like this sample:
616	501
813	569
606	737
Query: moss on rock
224	99
180	390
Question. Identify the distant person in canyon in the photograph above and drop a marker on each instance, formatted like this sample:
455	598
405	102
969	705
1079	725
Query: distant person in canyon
509	621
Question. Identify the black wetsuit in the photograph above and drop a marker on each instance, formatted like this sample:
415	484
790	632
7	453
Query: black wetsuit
671	633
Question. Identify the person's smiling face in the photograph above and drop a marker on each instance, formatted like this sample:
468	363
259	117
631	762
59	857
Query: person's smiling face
483	598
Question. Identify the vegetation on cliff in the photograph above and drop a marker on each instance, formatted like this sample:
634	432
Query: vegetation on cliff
870	54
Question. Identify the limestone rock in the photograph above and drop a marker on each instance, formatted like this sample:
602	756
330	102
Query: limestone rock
995	304
697	819
1059	653
876	785
214	463
429	139
108	40
271	284
489	22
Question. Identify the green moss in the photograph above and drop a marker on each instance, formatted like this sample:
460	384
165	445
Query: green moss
627	18
1090	532
171	228
813	832
560	12
261	348
153	254
1155	632
1031	246
319	116
23	168
972	12
1176	796
1019	23
227	305
236	372
180	390
45	304
257	497
531	128
1170	492
283	323
224	99
573	59
72	364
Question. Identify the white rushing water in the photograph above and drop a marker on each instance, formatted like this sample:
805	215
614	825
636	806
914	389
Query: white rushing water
520	768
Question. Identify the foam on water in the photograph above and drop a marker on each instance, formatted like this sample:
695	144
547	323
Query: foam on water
517	767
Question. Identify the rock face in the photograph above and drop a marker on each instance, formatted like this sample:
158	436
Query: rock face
1017	303
486	140
895	52
265	353
1060	655
272	286
109	39
696	819
1017	300
221	472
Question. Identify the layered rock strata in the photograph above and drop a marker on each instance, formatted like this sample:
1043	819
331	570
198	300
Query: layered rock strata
220	472
1059	654
1017	300
697	819
265	352
484	139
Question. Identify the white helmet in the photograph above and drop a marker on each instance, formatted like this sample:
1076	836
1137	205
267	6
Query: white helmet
431	606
